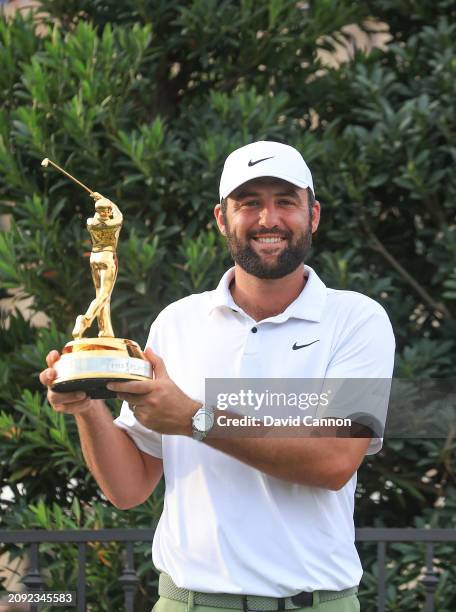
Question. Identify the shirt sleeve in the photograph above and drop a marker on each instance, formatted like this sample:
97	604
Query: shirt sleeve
147	440
360	369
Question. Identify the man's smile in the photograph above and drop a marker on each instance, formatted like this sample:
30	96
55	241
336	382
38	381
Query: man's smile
268	245
268	240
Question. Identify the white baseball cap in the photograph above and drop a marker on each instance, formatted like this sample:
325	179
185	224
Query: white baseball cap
264	158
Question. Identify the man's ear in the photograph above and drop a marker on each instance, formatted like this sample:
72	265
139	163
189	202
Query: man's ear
219	218
316	209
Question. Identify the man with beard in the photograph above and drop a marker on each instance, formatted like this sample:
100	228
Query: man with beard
250	522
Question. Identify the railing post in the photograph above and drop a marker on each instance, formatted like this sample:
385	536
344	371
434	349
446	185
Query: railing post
129	579
81	592
32	579
381	554
430	580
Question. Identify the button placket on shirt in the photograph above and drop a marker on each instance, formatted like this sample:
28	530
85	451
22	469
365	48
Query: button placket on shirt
252	340
249	363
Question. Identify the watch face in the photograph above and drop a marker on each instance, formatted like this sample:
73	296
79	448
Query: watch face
203	421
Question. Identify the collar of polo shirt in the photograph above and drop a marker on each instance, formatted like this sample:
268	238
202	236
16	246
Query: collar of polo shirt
308	305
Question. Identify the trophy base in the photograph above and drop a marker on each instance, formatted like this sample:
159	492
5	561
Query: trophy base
94	387
89	364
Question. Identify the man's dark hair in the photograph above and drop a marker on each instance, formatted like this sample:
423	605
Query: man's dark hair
310	202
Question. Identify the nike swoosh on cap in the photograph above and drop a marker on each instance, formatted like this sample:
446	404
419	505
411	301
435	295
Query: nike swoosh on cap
300	346
254	163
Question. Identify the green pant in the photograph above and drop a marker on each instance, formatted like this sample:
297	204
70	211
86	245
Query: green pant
345	604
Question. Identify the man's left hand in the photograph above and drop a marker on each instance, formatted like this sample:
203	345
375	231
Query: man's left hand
158	404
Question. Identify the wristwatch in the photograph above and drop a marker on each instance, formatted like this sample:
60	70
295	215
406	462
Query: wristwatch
202	422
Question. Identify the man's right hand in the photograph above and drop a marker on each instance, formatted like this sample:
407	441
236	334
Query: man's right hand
71	403
126	475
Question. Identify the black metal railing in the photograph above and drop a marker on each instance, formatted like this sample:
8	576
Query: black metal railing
129	578
429	537
34	537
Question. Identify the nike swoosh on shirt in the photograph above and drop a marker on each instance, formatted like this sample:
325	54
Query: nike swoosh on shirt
254	163
300	346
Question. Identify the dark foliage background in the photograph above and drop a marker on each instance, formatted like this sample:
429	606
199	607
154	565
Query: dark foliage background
143	101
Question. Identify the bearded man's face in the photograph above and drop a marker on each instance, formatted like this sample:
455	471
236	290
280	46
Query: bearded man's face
268	226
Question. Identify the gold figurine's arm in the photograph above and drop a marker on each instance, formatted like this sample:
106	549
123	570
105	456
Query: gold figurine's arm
115	219
98	222
117	216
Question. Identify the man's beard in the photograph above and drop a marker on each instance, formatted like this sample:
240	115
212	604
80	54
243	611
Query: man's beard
290	258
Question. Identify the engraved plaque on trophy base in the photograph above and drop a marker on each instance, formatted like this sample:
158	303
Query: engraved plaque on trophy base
89	364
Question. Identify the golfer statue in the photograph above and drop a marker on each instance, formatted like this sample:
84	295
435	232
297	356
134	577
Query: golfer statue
104	229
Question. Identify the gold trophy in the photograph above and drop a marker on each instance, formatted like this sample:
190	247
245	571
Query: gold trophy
88	364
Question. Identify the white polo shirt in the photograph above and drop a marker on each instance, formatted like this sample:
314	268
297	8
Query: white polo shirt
227	527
